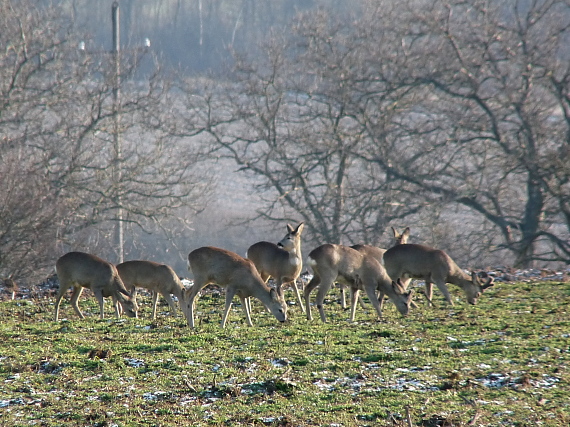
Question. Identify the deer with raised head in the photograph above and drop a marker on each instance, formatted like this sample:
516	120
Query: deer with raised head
282	261
157	278
82	270
378	253
411	261
343	264
237	275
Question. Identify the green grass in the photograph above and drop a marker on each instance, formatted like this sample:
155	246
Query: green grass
502	362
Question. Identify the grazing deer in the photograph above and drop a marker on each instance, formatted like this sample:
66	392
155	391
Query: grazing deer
238	275
81	270
378	253
340	263
282	261
412	261
11	287
157	278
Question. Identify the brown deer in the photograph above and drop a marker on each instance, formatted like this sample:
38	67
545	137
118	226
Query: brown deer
82	270
377	253
11	287
343	264
282	261
157	278
411	261
238	275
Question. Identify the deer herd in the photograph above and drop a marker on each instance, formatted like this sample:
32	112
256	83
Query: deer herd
378	272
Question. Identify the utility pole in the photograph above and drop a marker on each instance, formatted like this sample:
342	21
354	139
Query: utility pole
119	226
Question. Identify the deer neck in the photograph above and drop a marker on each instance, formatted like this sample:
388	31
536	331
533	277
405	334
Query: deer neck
261	292
178	290
294	255
460	278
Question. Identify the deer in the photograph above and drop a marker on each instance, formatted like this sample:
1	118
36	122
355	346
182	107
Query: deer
82	270
282	261
331	262
378	253
211	265
157	278
11	287
412	261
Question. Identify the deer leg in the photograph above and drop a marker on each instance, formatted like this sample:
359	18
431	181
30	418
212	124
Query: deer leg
362	303
265	277
430	301
189	302
154	303
133	293
381	300
60	293
280	292
247	302
246	308
99	296
405	280
443	288
354	297
230	292
374	299
77	290
342	295
298	295
321	293
315	281
429	290
170	302
118	307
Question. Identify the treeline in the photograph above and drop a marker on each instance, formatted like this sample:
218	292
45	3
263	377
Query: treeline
197	35
452	118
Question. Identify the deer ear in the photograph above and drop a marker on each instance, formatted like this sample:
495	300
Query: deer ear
290	229
300	227
398	288
406	232
489	284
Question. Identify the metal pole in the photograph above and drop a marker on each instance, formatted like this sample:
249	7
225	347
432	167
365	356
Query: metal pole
119	231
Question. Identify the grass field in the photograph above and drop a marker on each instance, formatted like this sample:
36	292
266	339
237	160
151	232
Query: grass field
505	362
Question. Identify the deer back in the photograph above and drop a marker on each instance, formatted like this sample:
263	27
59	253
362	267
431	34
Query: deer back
216	265
378	253
369	250
150	275
226	268
417	261
331	261
92	272
87	270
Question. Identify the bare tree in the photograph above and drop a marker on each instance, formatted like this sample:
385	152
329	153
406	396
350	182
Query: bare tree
289	121
57	161
494	118
426	111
